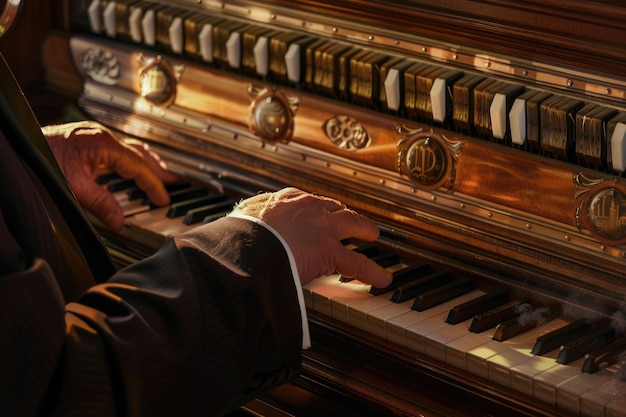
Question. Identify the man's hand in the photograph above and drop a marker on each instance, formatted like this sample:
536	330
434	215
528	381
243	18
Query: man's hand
83	149
313	227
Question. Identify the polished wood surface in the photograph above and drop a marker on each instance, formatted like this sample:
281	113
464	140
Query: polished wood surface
577	33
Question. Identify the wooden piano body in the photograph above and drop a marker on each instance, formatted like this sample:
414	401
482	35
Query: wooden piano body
486	139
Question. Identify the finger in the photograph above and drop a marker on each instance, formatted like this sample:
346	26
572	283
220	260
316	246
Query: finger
103	205
154	162
355	265
130	164
350	224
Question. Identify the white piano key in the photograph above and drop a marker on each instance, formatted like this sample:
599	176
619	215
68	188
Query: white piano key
438	99
168	227
175	32
392	89
499	365
618	147
148	28
134	25
598	399
456	350
519	351
340	304
438	341
477	357
569	393
358	311
292	63
94	14
109	17
377	319
417	333
132	207
497	111
545	383
356	304
617	408
316	286
261	59
523	374
233	50
398	326
324	289
517	119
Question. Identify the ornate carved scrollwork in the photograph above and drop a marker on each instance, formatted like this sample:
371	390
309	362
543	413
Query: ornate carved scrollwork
101	66
346	133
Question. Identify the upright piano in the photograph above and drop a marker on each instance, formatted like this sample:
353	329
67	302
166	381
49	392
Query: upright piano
487	139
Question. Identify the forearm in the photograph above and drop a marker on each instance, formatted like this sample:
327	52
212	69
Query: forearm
202	325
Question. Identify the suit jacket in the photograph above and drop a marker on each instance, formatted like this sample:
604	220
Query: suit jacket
204	325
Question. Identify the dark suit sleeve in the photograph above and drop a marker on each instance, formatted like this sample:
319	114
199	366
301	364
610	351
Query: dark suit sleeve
207	323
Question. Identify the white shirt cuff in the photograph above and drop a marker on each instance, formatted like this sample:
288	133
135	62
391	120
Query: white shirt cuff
306	337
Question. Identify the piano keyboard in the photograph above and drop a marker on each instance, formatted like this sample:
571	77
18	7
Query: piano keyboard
510	362
431	312
147	226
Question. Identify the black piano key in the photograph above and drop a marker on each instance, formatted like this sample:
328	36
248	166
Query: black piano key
214	216
200	214
369	250
401	277
427	282
120	184
522	323
605	356
106	177
136	193
442	294
558	337
578	348
181	208
476	306
493	317
386	259
185	194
